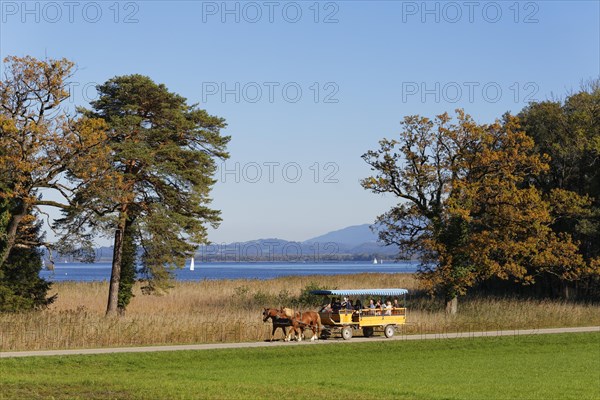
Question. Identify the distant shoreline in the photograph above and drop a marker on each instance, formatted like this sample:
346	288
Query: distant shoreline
235	270
199	260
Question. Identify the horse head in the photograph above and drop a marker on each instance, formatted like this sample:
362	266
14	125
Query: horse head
272	313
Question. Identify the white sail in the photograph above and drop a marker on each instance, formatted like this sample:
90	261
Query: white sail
192	264
375	260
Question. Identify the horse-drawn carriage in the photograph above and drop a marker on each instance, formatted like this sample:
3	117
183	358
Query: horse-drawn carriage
343	320
370	319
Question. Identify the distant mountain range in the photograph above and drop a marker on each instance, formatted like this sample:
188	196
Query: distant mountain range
352	236
353	243
356	243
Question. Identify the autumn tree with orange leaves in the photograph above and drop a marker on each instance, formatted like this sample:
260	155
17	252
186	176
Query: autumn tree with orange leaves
40	142
468	207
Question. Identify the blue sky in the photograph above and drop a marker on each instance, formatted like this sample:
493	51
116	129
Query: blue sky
307	87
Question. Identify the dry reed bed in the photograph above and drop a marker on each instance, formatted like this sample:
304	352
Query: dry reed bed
230	310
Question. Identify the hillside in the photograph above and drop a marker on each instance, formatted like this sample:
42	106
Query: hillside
351	236
353	243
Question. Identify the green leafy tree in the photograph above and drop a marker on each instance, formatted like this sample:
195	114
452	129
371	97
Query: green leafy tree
162	156
21	287
568	131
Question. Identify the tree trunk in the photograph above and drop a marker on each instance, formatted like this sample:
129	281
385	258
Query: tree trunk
127	270
115	274
566	292
451	305
11	232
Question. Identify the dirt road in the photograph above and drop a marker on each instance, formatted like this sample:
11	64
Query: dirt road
213	346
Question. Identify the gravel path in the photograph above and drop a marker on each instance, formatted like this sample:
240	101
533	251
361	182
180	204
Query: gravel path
213	346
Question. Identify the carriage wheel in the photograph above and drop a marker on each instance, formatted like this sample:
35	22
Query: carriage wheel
389	331
347	332
367	331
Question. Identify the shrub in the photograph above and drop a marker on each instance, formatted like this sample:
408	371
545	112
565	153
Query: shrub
307	299
21	288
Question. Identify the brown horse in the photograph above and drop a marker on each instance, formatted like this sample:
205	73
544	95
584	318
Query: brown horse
279	320
303	320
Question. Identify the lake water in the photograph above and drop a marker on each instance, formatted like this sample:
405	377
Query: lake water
266	270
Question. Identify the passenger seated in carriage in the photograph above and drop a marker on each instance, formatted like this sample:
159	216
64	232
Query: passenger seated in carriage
379	307
372	307
388	308
326	308
347	304
396	306
357	306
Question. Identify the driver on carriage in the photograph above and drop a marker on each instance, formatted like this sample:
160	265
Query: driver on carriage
336	306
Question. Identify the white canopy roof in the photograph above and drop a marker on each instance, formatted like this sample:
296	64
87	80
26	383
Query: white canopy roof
361	292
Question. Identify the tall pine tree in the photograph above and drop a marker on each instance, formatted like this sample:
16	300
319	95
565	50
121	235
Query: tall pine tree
162	157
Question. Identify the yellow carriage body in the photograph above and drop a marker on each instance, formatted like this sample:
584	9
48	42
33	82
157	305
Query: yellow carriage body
362	318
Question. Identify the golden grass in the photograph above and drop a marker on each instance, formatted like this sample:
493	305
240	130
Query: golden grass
230	310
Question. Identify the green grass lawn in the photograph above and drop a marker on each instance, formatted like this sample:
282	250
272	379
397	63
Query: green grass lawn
547	367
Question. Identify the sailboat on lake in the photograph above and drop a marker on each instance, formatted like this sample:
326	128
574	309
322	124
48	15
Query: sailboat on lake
375	261
192	264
